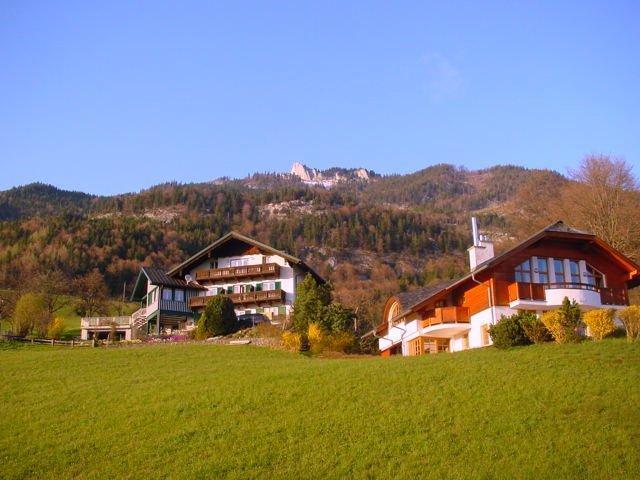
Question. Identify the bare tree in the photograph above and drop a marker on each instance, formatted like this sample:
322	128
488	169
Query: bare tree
605	200
92	292
54	287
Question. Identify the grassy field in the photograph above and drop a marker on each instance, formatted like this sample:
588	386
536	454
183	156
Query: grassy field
205	411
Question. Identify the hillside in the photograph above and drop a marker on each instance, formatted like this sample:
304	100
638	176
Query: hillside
369	236
245	412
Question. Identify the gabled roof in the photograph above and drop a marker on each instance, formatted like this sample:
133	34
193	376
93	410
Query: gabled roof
422	296
157	276
409	299
233	235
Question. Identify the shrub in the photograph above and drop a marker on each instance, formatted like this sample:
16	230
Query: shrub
315	333
312	300
564	322
292	340
218	318
630	318
600	323
30	313
56	328
508	332
338	318
534	329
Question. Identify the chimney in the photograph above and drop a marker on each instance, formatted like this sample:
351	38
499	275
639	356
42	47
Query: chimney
482	249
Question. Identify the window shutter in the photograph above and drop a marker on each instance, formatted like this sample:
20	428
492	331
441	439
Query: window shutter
258	287
278	285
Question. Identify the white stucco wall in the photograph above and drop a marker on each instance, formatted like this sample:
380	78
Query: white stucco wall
287	277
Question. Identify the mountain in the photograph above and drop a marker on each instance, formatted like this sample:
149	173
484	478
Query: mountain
369	234
331	177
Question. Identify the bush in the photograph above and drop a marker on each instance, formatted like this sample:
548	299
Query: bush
292	341
565	322
600	323
30	313
56	329
630	318
534	329
508	332
218	318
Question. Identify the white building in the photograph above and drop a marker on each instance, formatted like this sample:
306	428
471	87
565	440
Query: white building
536	275
258	278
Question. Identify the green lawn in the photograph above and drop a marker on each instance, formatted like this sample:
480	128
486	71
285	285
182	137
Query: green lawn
205	411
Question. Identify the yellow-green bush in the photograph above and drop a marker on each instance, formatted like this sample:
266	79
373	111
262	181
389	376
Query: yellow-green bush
564	322
315	334
56	328
600	323
630	318
291	340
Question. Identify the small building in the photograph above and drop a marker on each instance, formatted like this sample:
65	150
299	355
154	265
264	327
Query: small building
536	275
256	277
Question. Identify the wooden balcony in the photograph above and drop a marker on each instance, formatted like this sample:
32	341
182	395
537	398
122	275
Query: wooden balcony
103	322
526	291
264	270
249	298
447	315
611	296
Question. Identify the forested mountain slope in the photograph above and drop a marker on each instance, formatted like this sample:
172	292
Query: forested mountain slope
368	237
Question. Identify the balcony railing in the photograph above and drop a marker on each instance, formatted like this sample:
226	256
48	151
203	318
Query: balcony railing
264	297
447	315
104	321
526	291
247	271
536	291
611	296
174	306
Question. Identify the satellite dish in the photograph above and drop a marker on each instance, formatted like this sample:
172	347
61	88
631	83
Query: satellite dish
188	278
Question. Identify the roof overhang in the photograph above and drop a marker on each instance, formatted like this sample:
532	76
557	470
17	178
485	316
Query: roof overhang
205	252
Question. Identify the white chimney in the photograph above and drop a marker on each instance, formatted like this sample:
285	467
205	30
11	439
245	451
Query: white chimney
482	249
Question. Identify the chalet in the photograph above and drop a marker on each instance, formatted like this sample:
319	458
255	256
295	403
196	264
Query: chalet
536	275
257	278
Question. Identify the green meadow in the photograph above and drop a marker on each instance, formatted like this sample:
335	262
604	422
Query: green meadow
206	411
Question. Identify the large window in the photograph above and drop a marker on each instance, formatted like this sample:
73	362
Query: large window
594	277
574	269
543	270
558	266
523	272
166	294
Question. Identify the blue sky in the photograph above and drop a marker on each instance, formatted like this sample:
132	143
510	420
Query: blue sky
111	97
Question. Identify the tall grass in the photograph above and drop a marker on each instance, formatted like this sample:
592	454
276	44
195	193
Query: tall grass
205	411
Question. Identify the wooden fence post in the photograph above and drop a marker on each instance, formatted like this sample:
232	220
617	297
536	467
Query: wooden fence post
53	342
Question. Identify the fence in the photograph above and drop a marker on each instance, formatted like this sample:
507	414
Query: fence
49	341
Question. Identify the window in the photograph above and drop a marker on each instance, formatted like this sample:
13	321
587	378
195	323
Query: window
268	286
239	262
574	269
594	277
523	272
237	289
167	294
213	264
558	266
543	270
178	295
